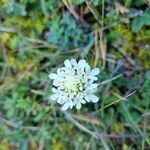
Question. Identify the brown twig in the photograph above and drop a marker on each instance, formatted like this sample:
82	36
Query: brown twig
71	9
110	80
93	121
78	17
96	47
81	127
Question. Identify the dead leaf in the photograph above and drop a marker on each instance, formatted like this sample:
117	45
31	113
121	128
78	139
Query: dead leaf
121	9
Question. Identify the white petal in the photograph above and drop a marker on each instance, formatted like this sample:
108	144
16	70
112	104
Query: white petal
54	90
81	64
82	61
53	76
87	69
93	98
93	86
82	101
59	101
78	105
93	78
73	62
87	98
54	97
65	107
59	71
77	80
56	83
95	71
67	63
71	104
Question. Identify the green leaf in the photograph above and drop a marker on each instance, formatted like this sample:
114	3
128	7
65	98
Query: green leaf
127	3
137	24
77	2
146	17
44	7
138	2
24	144
18	9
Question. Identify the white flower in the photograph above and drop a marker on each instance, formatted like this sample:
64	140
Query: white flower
74	84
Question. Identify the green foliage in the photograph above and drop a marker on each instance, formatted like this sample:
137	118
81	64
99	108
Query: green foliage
140	21
66	34
137	24
77	2
36	37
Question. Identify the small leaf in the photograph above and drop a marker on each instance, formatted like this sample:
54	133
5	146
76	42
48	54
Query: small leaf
137	24
17	9
146	17
77	2
44	7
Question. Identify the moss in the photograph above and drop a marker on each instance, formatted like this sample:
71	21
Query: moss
144	56
136	45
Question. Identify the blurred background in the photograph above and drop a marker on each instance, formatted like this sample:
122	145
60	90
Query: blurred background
36	36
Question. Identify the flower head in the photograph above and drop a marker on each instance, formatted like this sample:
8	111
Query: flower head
74	84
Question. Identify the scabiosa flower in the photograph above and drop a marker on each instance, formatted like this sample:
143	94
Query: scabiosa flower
74	84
